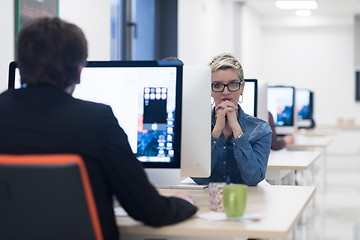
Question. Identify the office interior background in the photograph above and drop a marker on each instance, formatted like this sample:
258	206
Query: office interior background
317	52
320	52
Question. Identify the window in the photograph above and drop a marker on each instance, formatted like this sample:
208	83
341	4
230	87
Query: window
143	29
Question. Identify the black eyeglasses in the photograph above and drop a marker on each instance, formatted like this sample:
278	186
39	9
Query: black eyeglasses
232	87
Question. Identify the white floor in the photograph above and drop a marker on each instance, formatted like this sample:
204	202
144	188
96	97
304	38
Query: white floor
335	214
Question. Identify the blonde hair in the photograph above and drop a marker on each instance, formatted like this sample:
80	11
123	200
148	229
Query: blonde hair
226	61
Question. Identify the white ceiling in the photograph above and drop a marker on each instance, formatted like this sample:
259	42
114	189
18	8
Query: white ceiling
327	8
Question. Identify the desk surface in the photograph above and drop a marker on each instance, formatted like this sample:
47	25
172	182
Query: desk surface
292	160
280	206
318	132
302	141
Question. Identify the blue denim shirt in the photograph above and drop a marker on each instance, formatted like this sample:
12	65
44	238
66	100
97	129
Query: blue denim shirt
244	159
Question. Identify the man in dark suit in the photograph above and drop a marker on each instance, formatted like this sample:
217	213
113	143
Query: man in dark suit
43	117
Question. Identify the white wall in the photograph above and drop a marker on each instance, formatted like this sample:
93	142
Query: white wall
205	29
248	45
320	58
93	16
210	27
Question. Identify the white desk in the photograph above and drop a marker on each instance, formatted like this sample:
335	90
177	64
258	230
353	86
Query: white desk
284	163
306	142
333	131
319	143
281	207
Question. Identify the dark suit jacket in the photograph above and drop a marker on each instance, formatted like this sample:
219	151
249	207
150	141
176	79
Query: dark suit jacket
45	119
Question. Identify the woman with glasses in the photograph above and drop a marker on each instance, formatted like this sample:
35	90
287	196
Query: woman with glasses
240	143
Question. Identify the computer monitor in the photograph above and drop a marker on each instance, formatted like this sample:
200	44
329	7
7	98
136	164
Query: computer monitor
196	122
146	98
281	104
255	99
304	108
250	97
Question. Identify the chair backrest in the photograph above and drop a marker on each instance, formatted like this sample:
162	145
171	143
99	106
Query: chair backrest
46	197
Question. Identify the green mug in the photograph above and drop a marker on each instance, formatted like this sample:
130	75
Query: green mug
234	200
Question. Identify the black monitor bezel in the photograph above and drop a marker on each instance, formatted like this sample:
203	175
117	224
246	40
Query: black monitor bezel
178	99
311	104
255	81
11	79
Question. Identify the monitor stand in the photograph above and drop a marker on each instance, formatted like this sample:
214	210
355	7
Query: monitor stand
304	123
165	178
285	130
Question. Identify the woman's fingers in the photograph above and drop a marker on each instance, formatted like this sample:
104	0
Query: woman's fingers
226	104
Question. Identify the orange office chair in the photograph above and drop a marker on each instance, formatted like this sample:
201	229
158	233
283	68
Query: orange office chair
46	197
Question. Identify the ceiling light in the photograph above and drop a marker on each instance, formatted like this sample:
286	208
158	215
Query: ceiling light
296	4
303	12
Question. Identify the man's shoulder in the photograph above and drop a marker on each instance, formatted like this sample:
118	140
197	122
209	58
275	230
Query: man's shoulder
90	104
93	108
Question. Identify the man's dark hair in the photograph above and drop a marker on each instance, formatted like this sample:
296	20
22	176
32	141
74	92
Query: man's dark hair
51	51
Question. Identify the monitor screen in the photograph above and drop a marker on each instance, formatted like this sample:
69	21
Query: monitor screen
281	101
249	102
304	104
145	97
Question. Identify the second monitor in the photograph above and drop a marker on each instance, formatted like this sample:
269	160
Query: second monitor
250	97
255	99
281	104
305	108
